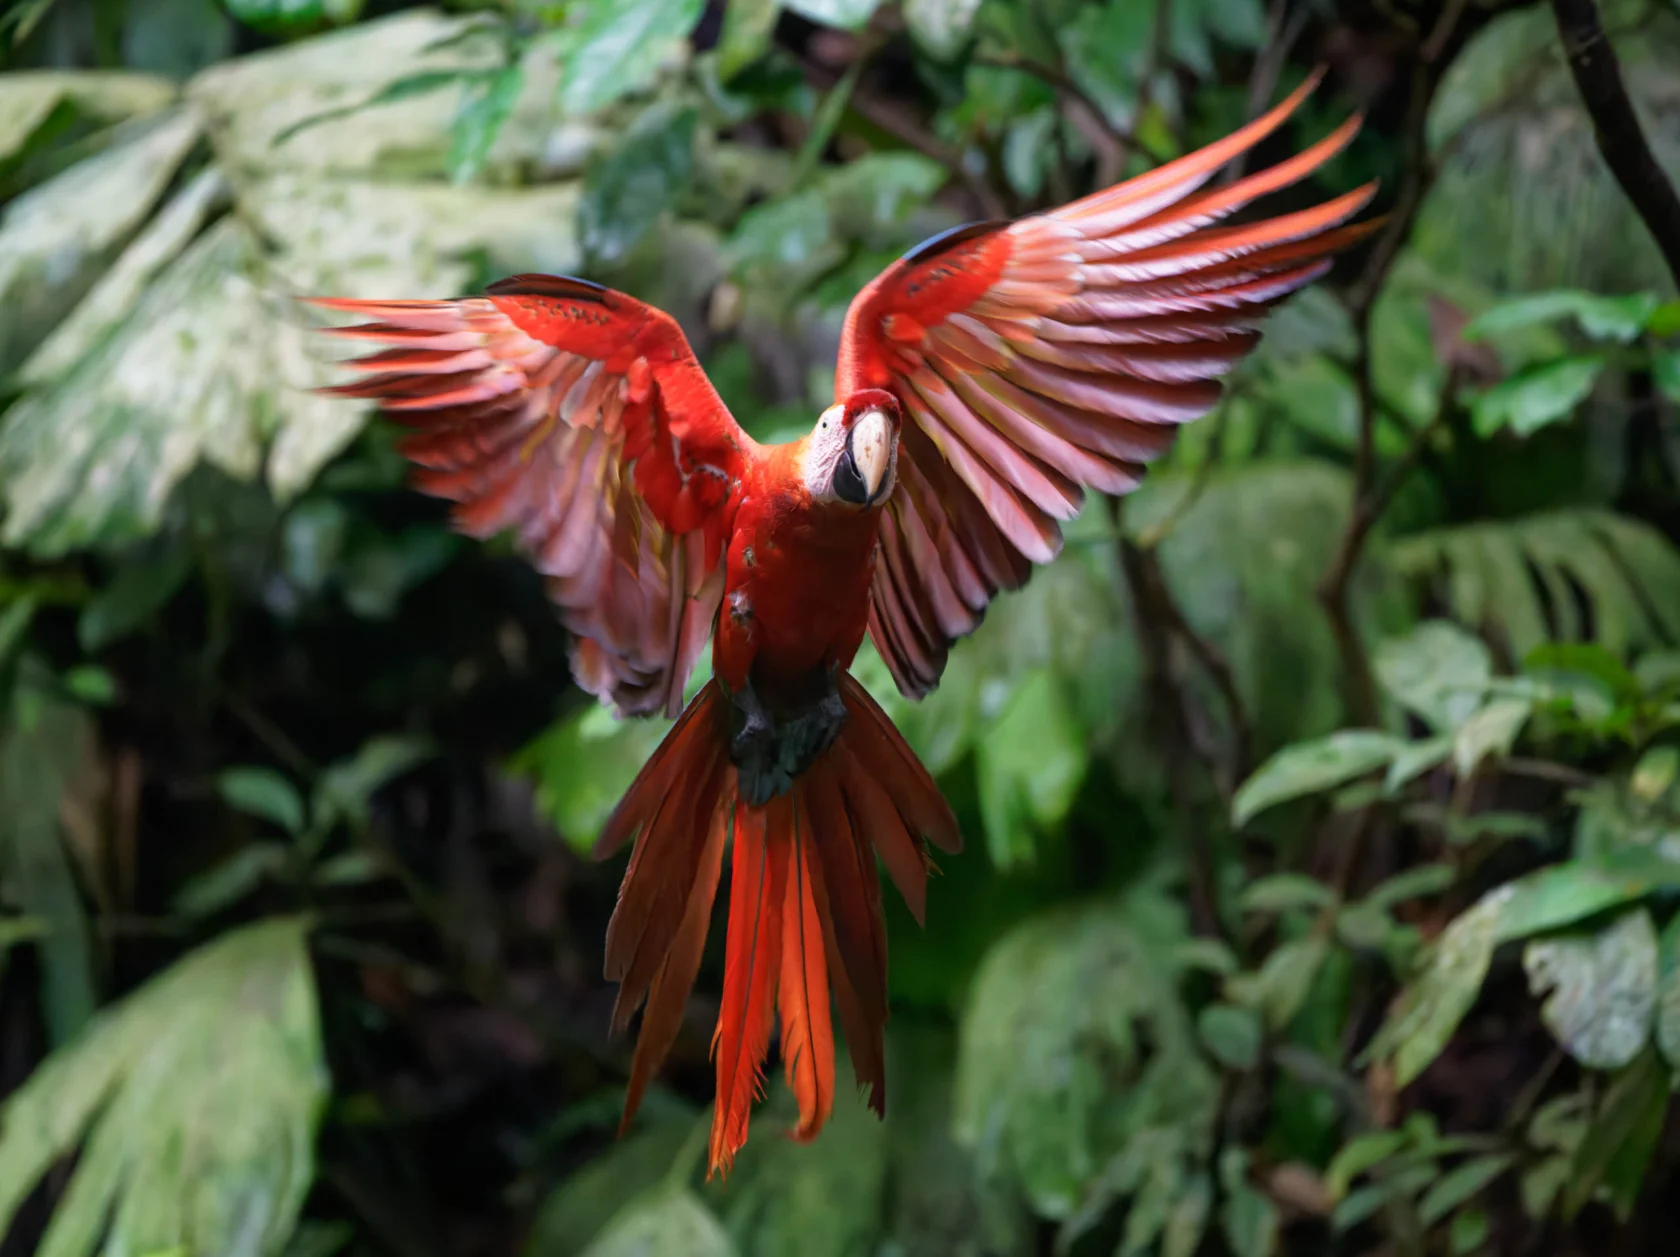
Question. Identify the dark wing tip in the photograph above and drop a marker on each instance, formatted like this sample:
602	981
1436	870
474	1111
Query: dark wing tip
950	238
565	286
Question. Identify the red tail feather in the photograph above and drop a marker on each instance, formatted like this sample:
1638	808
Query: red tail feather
804	913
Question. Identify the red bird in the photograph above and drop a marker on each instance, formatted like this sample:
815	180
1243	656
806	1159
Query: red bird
986	379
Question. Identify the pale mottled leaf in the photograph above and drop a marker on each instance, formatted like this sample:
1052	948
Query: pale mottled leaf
941	26
1668	992
616	47
28	98
1602	989
57	238
846	14
1491	731
1438	671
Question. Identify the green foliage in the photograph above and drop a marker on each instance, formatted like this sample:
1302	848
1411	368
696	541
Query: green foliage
196	1101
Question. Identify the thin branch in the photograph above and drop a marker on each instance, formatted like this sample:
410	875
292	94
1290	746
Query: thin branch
1621	140
1369	500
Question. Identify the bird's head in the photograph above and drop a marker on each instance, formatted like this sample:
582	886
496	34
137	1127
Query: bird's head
851	455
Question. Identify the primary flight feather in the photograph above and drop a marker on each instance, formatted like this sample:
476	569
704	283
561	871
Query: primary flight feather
985	381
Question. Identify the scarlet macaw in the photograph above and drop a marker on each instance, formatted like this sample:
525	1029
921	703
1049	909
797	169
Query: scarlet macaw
985	380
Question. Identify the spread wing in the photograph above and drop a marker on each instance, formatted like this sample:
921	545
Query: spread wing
580	419
1036	359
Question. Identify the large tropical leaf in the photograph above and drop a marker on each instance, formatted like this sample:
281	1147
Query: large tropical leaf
1569	575
194	1102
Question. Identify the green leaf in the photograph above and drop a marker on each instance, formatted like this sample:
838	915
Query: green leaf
1468	1233
195	1102
1668	992
1655	774
225	884
1358	1155
583	764
1602	318
284	18
670	1222
1285	892
1030	762
580	1208
1456	1187
1492	731
747	29
137	592
1414	883
1308	768
263	793
617	47
92	684
1287	976
346	788
1431	1008
1603	989
1665	372
847	15
1536	396
45	756
1069	1012
1248	1218
1358	1206
1617	1147
483	114
1438	671
1231	1034
631	184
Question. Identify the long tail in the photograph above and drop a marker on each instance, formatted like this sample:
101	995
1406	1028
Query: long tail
804	911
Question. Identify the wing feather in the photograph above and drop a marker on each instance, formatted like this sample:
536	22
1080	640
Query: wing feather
580	420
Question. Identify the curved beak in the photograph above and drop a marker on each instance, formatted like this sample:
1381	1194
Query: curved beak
871	451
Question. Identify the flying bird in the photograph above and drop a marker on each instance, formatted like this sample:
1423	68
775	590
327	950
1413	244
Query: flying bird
986	380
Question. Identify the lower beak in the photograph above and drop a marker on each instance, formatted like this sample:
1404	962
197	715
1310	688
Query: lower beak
872	451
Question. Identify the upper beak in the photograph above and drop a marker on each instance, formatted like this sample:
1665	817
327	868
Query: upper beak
872	450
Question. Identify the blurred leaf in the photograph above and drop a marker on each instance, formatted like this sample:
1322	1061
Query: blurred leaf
1415	759
1617	1146
1286	978
1656	773
1285	892
57	238
1358	1155
92	684
45	745
941	26
1537	396
1492	731
583	764
283	18
847	15
196	1101
1308	768
345	789
579	1209
1438	671
1461	1184
138	590
1358	1206
1430	1008
1053	1079
225	884
1668	992
1517	575
14	626
1468	1233
630	186
1602	318
669	1222
1030	761
1603	989
263	793
1231	1034
1248	1218
1415	883
1665	372
747	29
480	121
617	47
821	1198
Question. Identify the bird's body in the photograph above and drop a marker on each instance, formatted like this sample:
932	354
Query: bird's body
985	380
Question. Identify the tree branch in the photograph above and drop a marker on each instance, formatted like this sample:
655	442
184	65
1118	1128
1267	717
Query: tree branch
1621	139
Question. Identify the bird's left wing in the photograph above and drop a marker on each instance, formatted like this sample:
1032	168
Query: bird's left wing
578	418
1039	358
